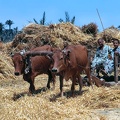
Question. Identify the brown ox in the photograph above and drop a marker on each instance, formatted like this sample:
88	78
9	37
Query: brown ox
69	63
39	65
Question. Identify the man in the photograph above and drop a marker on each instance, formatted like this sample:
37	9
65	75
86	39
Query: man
109	64
101	55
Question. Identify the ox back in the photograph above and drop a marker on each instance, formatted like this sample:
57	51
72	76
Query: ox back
38	65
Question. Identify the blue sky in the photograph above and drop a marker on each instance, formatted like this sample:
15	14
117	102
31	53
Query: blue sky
85	11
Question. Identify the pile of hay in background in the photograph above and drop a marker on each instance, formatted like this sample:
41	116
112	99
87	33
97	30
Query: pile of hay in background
55	34
110	33
34	35
6	66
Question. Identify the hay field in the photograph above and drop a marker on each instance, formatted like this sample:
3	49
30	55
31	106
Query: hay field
94	104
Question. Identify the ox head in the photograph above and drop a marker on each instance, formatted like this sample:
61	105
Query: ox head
19	62
60	59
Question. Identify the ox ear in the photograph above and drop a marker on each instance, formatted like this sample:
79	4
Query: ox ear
66	52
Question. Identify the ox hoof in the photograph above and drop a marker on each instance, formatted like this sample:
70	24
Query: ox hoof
48	87
73	95
61	94
80	92
53	87
31	91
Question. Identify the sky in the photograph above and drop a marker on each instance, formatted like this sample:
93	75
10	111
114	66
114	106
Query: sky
85	12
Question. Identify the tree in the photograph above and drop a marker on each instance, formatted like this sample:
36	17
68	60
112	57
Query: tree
9	23
42	21
35	21
119	27
67	18
61	20
73	20
1	28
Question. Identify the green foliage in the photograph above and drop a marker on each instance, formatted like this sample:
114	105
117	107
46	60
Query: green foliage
35	21
73	20
1	28
61	20
42	21
7	34
119	27
9	23
67	18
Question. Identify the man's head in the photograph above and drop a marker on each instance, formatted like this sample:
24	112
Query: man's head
115	43
101	42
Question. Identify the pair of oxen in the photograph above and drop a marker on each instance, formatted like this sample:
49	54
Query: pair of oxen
67	63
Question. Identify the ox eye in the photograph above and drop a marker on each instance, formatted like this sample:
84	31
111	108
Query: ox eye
61	58
21	61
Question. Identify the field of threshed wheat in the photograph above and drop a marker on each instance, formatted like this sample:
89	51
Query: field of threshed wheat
99	103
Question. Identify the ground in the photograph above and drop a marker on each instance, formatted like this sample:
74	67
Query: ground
16	103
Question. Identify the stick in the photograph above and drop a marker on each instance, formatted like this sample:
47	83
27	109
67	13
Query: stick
100	19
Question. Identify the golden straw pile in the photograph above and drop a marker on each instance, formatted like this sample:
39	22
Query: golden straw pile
6	66
54	34
34	35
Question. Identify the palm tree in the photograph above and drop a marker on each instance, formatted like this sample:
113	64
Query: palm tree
9	23
67	18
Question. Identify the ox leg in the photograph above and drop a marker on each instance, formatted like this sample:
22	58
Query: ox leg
51	78
32	87
87	70
48	83
61	86
30	80
73	85
80	84
54	80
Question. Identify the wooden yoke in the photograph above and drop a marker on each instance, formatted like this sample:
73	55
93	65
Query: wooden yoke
39	53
